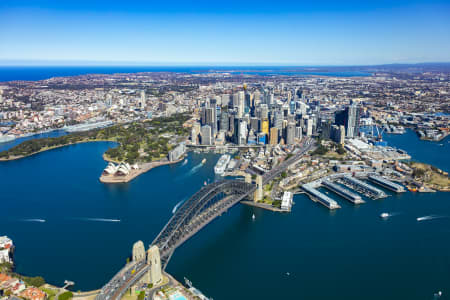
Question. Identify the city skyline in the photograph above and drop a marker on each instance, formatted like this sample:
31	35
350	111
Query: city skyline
250	33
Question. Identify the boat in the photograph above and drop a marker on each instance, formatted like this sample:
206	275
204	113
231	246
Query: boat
253	217
203	161
424	218
222	164
385	215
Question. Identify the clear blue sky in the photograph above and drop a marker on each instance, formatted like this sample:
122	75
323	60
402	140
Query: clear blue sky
224	32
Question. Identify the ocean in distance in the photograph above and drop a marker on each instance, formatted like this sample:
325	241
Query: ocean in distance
347	254
31	73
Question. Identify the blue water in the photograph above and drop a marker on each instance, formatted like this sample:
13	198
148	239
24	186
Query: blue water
61	186
434	153
10	73
347	254
9	145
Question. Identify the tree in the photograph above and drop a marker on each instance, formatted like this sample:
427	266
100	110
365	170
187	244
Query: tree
65	296
141	295
321	150
340	149
34	281
418	173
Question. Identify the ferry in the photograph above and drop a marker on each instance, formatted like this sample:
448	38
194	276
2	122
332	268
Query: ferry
222	164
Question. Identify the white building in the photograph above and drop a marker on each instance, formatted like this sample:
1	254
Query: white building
6	248
286	201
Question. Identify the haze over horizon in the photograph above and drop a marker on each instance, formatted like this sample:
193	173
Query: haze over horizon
233	33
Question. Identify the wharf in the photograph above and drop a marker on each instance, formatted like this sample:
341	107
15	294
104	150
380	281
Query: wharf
381	181
344	193
262	205
317	196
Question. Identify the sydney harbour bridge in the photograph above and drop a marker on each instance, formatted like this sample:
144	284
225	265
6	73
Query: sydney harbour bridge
198	211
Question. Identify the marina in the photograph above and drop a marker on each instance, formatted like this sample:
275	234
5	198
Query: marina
362	187
346	194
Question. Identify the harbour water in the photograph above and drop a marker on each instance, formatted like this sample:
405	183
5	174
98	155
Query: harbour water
10	73
10	144
311	253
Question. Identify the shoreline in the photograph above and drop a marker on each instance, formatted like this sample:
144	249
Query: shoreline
145	167
11	158
263	206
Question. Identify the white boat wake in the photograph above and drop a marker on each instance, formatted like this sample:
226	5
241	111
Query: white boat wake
34	220
184	162
195	169
177	206
99	220
430	217
191	171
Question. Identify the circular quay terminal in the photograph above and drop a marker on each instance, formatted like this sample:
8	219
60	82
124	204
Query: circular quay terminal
226	150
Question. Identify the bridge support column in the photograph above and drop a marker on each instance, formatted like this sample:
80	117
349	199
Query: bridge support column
259	189
248	178
154	260
138	251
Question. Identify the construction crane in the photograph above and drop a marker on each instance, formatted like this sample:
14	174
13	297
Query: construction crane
379	135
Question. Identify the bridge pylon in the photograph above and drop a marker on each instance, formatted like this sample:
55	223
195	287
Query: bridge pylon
138	252
154	260
259	189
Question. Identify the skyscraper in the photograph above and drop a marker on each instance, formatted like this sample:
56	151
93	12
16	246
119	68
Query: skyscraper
349	118
236	132
290	133
224	122
225	100
265	126
211	120
254	124
309	127
241	104
353	116
206	134
195	131
273	136
142	100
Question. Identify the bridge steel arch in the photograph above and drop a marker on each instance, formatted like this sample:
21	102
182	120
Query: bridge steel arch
198	211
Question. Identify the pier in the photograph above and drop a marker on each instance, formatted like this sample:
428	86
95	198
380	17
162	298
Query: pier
381	181
362	187
317	196
343	192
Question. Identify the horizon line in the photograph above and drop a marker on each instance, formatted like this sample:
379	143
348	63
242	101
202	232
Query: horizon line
84	63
